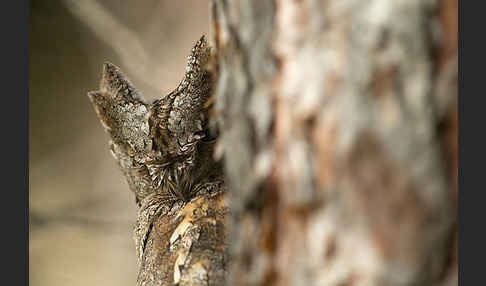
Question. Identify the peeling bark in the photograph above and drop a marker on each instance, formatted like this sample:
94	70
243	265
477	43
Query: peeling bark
338	130
339	125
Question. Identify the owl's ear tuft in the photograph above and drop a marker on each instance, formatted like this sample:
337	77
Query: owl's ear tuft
116	85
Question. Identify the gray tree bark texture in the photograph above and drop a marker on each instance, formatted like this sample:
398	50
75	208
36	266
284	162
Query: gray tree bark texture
336	157
339	132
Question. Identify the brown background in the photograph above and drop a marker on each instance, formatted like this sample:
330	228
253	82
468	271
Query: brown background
81	211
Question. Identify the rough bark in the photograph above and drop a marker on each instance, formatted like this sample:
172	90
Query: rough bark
339	125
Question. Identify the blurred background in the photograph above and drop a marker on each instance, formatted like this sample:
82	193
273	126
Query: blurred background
81	210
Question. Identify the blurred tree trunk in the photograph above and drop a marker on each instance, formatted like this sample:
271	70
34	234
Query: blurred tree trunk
339	129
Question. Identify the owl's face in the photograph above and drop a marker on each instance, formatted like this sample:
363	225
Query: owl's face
161	147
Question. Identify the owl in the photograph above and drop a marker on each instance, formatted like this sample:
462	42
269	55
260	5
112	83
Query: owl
165	150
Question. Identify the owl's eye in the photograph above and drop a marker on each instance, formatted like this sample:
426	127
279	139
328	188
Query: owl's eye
209	134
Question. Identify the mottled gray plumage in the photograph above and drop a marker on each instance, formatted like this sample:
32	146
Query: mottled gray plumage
165	151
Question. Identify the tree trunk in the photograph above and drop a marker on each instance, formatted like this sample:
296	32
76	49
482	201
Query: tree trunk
339	128
338	132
